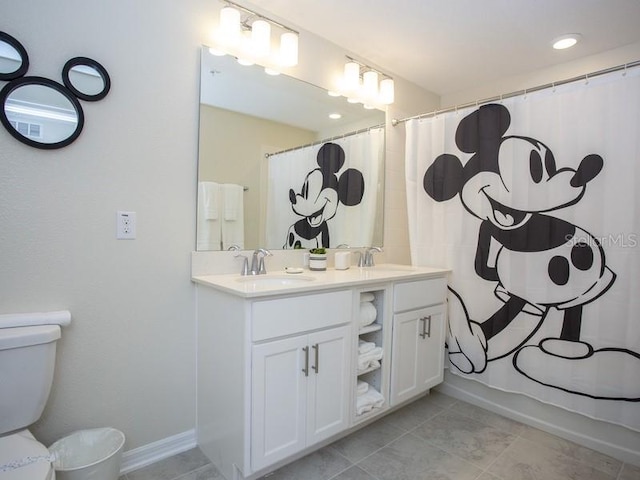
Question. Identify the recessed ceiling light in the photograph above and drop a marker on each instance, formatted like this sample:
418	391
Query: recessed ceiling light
335	116
566	41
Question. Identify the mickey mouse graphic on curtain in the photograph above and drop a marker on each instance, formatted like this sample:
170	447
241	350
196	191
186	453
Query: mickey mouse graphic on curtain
516	235
320	195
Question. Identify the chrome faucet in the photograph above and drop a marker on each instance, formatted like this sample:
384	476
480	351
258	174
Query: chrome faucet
245	263
257	261
366	257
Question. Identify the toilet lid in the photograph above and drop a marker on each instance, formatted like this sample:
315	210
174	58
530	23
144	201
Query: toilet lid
22	448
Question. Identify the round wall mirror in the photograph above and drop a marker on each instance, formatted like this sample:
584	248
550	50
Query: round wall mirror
86	78
14	61
40	112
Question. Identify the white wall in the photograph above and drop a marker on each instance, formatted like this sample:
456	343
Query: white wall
128	358
608	438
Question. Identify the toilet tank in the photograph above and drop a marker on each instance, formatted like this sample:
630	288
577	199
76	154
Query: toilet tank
27	360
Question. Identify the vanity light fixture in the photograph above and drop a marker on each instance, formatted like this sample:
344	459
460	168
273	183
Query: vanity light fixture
335	116
246	35
566	41
361	83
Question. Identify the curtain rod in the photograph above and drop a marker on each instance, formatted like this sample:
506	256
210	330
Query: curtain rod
587	76
337	137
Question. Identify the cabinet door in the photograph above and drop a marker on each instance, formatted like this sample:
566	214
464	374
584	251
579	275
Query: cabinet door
329	383
433	344
417	352
278	403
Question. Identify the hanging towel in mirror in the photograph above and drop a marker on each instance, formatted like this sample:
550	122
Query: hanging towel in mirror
232	200
209	199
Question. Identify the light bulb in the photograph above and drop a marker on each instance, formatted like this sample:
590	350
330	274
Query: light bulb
229	27
351	79
261	38
387	94
289	49
370	85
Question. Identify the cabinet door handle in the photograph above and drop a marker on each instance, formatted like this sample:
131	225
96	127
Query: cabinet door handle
306	361
316	367
426	332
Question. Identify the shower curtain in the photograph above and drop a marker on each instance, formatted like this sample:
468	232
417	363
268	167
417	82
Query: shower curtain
533	204
325	195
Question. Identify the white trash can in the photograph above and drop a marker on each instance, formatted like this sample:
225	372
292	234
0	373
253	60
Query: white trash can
93	454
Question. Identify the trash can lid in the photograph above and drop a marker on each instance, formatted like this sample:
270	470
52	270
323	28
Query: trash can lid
22	457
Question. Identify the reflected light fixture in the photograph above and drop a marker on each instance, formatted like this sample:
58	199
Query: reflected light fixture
246	35
566	41
361	83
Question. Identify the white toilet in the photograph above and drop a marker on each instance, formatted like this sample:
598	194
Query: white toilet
27	360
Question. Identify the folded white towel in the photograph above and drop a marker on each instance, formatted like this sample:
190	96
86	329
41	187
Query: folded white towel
365	359
232	195
364	347
362	387
368	313
367	297
209	200
368	401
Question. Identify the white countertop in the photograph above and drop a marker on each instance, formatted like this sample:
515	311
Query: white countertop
280	282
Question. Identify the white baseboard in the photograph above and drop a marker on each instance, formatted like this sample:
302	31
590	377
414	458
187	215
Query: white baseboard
620	452
153	452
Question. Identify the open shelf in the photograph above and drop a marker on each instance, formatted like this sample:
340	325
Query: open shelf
370	369
374	333
374	327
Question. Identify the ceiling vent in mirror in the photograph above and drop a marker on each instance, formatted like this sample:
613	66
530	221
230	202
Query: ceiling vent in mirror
246	35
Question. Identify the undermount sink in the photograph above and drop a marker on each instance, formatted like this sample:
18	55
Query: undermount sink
275	280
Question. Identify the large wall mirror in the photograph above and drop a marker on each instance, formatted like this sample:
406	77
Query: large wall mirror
254	128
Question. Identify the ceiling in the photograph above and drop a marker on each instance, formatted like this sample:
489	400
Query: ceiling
446	46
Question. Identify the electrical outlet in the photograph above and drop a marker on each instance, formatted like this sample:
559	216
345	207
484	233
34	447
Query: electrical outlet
126	225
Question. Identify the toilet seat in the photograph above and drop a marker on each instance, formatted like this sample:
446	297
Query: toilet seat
22	446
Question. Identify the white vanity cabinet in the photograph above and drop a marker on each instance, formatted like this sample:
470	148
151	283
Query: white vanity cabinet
419	324
280	368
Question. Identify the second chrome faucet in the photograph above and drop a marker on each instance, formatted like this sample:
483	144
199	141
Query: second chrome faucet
257	262
366	256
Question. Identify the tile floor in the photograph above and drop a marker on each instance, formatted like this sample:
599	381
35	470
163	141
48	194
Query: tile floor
435	437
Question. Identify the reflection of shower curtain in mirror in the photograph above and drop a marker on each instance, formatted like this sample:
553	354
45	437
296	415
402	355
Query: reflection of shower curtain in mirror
306	194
